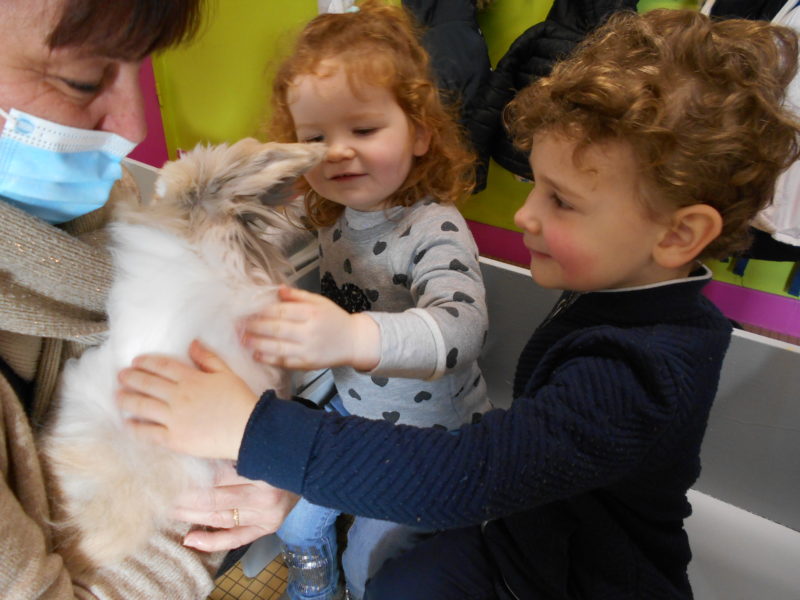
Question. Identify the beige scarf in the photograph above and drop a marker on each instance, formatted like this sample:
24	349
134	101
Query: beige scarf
53	287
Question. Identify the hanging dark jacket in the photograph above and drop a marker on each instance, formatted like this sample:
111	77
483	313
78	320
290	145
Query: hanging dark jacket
532	56
762	10
460	62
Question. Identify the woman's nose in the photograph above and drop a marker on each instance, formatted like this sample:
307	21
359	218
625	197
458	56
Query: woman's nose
123	106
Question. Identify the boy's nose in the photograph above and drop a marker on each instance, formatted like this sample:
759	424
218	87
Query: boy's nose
526	219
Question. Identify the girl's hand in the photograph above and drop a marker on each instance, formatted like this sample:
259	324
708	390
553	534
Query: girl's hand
200	410
308	331
260	508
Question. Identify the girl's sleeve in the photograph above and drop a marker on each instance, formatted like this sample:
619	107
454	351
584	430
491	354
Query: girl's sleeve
447	327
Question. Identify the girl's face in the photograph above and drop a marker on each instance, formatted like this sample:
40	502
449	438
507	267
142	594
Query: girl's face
585	225
371	142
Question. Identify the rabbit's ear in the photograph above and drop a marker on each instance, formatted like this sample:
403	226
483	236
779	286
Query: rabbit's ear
268	170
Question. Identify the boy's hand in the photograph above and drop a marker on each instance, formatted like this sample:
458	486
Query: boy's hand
308	331
200	410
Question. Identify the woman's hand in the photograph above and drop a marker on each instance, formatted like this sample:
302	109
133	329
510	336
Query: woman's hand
200	410
259	507
308	331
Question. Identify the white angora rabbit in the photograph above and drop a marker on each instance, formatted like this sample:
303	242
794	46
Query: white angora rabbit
188	265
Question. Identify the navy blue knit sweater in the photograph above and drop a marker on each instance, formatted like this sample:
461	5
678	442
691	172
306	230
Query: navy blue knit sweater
583	480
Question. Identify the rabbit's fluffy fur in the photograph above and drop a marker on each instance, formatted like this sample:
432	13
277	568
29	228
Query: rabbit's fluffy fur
188	265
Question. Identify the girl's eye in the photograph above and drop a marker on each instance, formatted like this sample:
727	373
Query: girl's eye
365	130
312	139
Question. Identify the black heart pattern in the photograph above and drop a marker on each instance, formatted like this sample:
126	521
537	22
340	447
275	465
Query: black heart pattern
422	397
378	248
419	256
348	267
380	381
353	394
337	233
391	416
457	265
462	297
452	310
350	297
449	226
452	358
400	279
407	232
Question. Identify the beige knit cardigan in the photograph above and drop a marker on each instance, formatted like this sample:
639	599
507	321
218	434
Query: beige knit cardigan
53	284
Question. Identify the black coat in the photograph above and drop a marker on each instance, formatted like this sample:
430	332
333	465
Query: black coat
762	10
460	59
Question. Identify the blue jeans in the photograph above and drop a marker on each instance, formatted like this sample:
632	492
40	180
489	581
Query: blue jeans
309	538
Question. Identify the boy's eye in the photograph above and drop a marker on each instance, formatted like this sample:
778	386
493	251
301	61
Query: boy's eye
312	139
365	130
560	203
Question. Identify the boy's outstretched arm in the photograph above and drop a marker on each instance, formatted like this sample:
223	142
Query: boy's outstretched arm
200	410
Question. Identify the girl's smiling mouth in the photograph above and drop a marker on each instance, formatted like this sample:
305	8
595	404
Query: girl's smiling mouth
346	176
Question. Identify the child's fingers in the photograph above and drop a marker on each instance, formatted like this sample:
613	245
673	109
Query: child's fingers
282	311
206	359
149	432
145	383
279	329
290	294
273	349
142	407
162	366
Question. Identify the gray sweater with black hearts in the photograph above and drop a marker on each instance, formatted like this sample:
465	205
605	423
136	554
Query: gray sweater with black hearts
415	271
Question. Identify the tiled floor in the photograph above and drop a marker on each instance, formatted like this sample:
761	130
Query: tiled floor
267	585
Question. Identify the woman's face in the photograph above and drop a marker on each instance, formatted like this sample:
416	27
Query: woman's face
70	86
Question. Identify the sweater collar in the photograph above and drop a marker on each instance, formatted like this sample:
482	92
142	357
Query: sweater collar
677	298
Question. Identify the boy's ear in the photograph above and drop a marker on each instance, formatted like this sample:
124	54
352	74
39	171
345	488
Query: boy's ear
690	230
422	140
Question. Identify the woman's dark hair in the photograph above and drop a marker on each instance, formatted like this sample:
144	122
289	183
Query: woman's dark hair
126	29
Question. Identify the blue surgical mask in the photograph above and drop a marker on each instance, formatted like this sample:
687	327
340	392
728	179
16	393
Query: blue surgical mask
55	172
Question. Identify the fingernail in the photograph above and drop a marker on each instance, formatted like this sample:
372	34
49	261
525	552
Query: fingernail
197	544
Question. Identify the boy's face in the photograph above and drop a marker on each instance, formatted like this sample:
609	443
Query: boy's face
585	224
